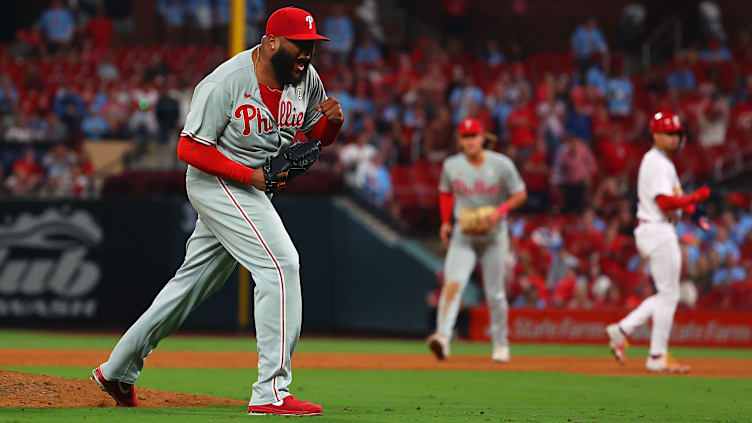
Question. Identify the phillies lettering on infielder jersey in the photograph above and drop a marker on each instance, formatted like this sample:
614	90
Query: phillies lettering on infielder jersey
489	185
227	111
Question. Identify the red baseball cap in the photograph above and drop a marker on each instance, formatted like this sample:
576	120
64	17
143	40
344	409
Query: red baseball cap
470	126
292	23
665	122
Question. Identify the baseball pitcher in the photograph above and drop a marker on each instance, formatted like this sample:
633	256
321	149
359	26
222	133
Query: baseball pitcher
479	187
660	203
237	141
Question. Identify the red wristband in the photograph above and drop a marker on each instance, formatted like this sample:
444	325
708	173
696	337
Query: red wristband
503	209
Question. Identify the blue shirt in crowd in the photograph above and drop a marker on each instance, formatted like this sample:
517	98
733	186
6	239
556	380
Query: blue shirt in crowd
587	42
596	78
57	24
682	79
340	30
619	93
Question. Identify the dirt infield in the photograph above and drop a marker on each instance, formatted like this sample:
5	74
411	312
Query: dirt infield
32	390
701	367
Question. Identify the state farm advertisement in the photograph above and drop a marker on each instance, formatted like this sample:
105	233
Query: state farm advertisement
699	328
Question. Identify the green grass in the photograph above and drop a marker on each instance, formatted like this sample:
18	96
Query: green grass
52	340
410	396
422	396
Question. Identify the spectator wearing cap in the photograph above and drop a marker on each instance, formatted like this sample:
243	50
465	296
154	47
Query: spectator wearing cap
57	25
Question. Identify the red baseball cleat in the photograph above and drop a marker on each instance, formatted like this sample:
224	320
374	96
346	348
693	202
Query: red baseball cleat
123	393
290	406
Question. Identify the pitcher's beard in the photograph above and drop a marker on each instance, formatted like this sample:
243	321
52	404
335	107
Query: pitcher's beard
283	65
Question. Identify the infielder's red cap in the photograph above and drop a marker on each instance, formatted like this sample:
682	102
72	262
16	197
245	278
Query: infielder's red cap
665	122
292	23
470	126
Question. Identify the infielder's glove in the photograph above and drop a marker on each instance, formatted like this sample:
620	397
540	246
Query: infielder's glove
294	161
476	221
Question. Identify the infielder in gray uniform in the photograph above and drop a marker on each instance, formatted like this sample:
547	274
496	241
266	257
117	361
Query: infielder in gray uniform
479	187
248	109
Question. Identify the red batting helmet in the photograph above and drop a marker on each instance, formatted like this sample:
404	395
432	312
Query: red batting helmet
665	122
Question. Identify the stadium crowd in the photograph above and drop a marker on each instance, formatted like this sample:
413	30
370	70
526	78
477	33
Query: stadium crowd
574	122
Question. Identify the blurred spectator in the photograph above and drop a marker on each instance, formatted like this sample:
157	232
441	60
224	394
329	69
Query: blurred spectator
619	92
716	52
99	29
28	43
8	95
712	122
373	180
120	11
579	121
26	175
439	139
629	36
573	171
173	16
339	28
167	113
725	246
461	97
521	126
535	173
57	25
711	23
367	52
587	42
580	299
59	162
681	77
352	155
595	80
80	183
493	54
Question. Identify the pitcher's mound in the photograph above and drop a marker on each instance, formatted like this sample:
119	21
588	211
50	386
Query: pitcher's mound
34	390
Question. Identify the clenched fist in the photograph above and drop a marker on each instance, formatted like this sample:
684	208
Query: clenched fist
332	110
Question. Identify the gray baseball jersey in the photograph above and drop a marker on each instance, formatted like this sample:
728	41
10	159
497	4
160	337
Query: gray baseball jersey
237	223
490	185
227	111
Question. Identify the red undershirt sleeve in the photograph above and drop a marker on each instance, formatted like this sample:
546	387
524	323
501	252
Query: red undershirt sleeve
210	160
324	131
667	202
446	206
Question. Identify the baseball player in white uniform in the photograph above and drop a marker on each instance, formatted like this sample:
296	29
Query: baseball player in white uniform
660	203
248	109
472	179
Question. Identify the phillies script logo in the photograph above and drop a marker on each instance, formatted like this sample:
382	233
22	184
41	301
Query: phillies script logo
479	188
288	117
45	270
